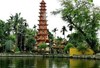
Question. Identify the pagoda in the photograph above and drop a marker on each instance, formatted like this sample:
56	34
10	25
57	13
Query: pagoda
42	35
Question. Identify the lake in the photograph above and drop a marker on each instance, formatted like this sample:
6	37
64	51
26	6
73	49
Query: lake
39	62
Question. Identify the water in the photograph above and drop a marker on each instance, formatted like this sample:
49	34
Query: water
38	62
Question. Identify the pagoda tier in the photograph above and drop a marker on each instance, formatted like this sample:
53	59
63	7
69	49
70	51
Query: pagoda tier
42	35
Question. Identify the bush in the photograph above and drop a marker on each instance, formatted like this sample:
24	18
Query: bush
82	48
68	46
42	45
9	45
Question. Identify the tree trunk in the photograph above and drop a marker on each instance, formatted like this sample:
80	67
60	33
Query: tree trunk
87	39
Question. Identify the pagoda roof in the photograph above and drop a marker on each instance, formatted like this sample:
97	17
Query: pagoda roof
42	20
42	6
42	29
42	34
42	2
42	9
42	24
41	12
42	40
42	16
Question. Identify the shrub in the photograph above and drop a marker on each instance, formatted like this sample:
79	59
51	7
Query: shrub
68	46
82	48
42	45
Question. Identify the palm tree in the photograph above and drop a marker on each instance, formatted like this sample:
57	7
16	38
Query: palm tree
70	27
63	31
19	27
34	26
34	29
54	30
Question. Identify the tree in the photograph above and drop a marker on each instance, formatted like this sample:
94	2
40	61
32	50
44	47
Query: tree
30	39
2	32
51	37
19	26
54	30
3	35
76	38
63	31
84	17
34	28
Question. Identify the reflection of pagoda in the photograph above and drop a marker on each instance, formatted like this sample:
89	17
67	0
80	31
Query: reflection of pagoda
42	35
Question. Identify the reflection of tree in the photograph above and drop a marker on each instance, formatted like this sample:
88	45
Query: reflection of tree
41	62
97	64
82	63
4	62
60	63
16	62
24	62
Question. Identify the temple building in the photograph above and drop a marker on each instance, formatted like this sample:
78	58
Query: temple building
42	35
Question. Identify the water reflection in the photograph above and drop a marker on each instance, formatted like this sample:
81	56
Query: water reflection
38	62
74	63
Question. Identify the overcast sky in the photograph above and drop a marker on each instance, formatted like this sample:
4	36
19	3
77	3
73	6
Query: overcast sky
30	11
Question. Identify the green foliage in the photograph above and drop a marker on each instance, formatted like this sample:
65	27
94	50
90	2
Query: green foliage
18	27
68	46
30	38
42	45
82	48
12	37
9	45
84	17
17	50
58	41
87	0
3	35
76	38
51	37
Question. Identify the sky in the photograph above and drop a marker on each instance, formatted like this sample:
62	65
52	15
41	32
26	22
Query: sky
30	11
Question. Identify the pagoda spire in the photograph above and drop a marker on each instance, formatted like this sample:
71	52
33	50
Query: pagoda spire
42	35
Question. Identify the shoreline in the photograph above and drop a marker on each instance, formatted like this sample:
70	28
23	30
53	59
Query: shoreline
95	57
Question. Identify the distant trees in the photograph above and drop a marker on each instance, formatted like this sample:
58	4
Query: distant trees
54	30
2	32
63	31
15	34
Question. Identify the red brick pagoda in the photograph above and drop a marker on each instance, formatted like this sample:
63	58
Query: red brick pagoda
42	35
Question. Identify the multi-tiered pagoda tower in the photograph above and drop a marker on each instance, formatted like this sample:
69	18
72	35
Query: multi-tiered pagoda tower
42	35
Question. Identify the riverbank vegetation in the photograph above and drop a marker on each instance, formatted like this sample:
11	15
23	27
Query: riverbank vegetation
81	16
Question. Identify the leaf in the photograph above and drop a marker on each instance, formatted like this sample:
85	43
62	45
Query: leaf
75	0
90	0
